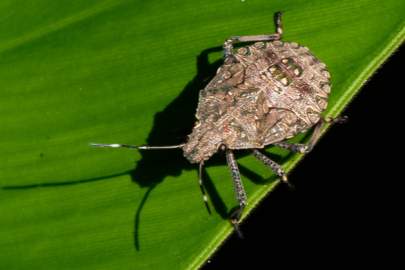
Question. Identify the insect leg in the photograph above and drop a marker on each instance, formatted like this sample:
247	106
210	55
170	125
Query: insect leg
271	165
228	47
302	148
200	181
236	212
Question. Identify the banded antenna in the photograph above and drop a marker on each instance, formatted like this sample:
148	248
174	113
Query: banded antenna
200	181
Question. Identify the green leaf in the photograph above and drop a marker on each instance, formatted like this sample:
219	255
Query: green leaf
129	72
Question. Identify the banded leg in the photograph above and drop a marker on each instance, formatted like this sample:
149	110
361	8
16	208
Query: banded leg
302	148
236	212
228	47
271	165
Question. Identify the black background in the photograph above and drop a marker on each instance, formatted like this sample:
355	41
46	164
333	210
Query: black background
348	207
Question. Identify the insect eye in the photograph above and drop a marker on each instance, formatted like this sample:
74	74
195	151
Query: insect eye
222	148
196	123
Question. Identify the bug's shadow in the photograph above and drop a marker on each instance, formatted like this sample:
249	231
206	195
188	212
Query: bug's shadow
155	166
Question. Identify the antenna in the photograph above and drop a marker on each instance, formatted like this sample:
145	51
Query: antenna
137	147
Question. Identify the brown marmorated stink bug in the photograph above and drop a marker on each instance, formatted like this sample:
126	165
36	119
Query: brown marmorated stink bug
261	95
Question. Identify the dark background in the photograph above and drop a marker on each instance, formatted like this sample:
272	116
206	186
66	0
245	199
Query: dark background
348	207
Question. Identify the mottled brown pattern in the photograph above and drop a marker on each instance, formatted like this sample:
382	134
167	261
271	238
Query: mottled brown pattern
263	94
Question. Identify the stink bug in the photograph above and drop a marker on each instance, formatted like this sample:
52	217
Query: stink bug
261	95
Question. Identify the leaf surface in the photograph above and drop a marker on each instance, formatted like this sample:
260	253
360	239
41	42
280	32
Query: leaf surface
129	72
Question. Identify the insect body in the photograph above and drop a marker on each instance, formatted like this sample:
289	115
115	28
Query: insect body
261	95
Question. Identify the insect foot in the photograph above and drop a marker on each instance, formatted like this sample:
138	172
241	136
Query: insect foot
235	214
262	95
